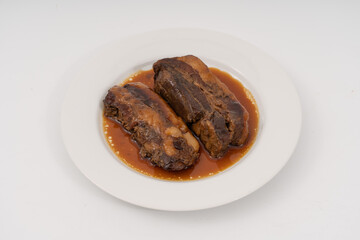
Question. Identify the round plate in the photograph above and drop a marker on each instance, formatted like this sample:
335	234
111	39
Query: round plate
279	108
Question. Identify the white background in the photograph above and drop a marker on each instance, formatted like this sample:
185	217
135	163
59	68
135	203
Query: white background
44	196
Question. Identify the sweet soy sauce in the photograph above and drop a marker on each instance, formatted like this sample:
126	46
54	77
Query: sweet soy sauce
128	152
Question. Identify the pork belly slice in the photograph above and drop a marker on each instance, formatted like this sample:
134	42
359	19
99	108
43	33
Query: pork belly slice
161	135
203	102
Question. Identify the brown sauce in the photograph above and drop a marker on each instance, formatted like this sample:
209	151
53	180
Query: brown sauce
128	151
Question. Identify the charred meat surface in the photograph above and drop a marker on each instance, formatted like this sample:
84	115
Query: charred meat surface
203	102
162	136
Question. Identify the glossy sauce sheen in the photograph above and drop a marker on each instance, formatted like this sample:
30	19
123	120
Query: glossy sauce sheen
127	150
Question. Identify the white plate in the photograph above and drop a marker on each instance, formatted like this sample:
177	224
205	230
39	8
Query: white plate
278	102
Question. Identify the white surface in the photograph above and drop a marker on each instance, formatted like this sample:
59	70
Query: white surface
44	196
275	94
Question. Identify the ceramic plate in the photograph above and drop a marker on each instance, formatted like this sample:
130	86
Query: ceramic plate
277	99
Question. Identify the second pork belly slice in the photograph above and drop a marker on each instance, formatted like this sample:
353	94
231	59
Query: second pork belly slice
162	136
203	101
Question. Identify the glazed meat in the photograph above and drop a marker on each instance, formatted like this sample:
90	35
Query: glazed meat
162	136
203	102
